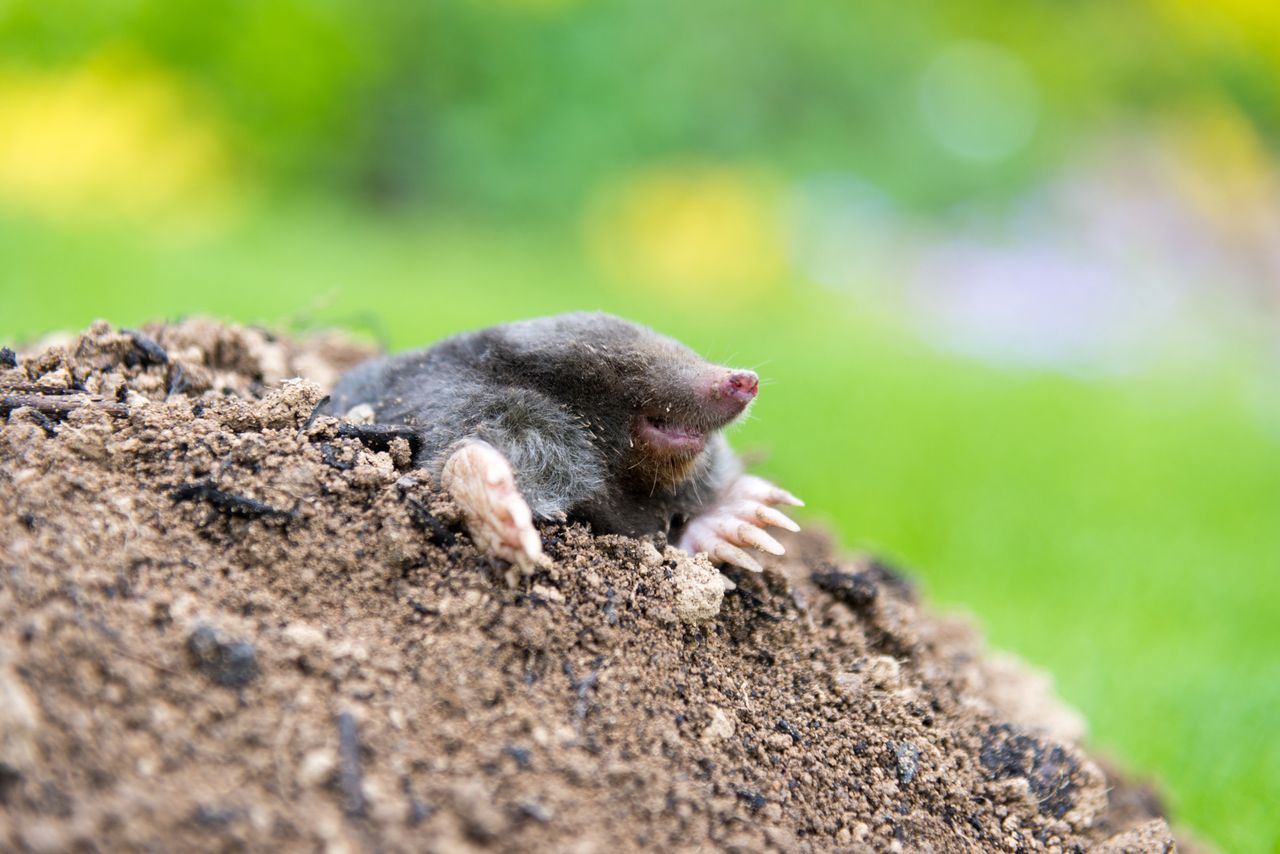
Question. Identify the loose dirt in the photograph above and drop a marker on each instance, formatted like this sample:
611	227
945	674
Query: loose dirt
226	623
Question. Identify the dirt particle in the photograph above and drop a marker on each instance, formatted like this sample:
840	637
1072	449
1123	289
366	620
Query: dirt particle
316	768
699	589
754	800
288	406
855	589
786	728
401	452
533	811
583	687
19	723
229	663
907	760
1154	837
306	637
548	594
379	437
215	816
884	672
721	726
482	818
778	742
44	836
359	414
522	755
1051	771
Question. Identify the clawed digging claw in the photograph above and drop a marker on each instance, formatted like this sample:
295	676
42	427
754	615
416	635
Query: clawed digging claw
498	518
752	512
726	553
756	537
737	522
760	490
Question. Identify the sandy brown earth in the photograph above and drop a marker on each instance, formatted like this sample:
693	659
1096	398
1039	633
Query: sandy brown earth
226	624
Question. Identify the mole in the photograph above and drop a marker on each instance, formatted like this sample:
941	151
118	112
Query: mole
583	417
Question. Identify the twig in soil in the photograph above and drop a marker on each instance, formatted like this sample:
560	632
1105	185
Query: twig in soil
43	421
278	749
329	454
112	636
315	412
235	505
58	404
426	520
378	437
151	352
36	388
583	688
418	810
350	776
177	381
133	656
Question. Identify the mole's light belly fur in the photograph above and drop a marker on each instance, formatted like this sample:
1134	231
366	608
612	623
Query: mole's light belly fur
584	416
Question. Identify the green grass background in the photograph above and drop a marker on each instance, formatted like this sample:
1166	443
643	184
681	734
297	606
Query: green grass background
1121	533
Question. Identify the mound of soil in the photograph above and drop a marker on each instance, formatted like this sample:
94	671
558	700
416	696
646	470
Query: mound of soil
228	623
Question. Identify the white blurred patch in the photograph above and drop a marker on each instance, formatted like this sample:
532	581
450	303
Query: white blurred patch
978	101
842	232
1039	303
1127	257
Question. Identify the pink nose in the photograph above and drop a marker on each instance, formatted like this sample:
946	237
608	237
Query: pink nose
740	386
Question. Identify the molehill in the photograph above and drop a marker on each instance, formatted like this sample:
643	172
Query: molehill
226	622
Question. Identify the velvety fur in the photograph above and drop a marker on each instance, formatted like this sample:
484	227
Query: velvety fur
559	396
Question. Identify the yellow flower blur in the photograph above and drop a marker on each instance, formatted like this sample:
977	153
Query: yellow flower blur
689	231
107	140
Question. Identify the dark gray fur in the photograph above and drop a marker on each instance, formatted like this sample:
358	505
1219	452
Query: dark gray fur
559	396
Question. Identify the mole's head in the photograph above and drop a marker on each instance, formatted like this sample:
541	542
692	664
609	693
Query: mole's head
648	401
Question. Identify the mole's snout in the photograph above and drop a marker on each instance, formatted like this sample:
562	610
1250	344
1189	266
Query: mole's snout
740	386
731	391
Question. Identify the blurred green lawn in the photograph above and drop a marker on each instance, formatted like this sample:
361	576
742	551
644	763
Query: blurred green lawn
1120	533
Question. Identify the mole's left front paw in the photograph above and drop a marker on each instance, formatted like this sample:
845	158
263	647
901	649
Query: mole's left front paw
737	522
480	479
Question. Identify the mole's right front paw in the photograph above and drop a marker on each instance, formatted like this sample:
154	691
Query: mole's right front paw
737	521
480	479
